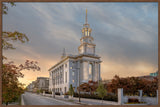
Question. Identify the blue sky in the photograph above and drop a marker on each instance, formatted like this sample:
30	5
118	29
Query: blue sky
125	34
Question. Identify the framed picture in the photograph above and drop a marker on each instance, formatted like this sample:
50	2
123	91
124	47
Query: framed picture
79	53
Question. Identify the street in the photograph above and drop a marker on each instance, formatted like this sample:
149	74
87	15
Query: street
34	99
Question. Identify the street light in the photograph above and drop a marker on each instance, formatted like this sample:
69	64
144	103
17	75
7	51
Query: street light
79	81
53	82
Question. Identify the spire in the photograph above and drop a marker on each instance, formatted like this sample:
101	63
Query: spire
86	17
86	21
64	53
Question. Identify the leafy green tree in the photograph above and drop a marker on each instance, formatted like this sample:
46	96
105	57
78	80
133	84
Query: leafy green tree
71	90
37	91
5	6
8	37
41	91
101	91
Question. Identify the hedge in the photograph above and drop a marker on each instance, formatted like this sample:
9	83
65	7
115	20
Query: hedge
57	93
108	97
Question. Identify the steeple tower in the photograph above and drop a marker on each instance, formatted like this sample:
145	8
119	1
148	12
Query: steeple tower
87	46
86	17
63	54
86	31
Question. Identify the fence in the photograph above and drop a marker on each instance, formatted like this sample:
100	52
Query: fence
121	98
149	100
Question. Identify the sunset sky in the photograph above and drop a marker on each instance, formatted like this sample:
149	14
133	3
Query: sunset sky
125	34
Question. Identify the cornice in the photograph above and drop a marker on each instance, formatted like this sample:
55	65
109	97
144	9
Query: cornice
86	44
87	37
76	57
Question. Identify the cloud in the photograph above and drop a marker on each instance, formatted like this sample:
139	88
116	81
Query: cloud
125	34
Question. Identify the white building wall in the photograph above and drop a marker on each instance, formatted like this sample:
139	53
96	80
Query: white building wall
83	64
50	81
65	80
90	50
96	72
85	72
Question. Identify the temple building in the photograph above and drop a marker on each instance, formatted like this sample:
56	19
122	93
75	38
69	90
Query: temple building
76	69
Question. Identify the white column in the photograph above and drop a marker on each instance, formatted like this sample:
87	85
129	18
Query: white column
43	92
99	74
94	50
51	83
97	68
94	72
120	96
140	95
79	74
53	94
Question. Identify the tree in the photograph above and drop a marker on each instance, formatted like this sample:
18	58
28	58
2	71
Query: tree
5	6
11	87
7	36
71	90
101	91
131	85
90	87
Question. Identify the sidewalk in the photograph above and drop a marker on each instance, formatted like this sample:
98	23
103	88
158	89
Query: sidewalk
59	98
84	101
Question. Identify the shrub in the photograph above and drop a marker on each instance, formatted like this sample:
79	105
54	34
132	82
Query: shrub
38	91
57	93
133	100
108	97
101	91
41	91
48	92
71	90
131	85
67	93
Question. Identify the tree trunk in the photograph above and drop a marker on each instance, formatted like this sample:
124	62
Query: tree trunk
102	100
6	103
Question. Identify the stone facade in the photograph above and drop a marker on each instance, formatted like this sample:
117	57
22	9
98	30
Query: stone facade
40	83
75	69
148	100
43	83
32	86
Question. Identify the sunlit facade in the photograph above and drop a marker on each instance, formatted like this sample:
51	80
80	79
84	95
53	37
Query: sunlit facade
75	69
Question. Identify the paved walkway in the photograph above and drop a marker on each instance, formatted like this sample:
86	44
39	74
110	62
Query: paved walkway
84	101
35	99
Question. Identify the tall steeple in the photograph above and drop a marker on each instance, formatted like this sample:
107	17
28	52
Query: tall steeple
63	54
87	46
86	17
86	31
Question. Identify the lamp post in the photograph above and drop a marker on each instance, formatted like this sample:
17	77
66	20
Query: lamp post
79	81
53	82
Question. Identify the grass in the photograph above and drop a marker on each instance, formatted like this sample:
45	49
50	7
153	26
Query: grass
71	100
